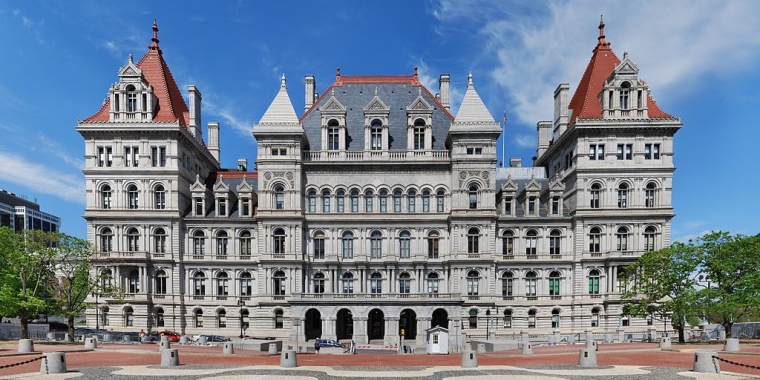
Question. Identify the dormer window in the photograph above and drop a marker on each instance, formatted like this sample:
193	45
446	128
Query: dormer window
333	135
131	99
625	93
199	207
221	207
419	134
376	139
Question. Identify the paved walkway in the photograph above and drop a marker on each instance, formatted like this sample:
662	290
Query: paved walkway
616	361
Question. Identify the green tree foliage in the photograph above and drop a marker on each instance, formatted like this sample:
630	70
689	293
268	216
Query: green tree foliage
731	264
665	286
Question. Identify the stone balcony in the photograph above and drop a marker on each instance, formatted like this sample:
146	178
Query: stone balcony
375	298
381	156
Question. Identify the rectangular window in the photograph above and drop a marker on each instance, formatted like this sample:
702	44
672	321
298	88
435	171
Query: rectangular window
593	285
507	287
592	152
354	203
411	203
326	204
656	151
376	286
368	203
432	285
341	202
319	249
433	247
131	156
470	150
245	207
555	205
222	207
383	203
105	156
628	151
647	151
404	286
532	206
478	150
199	208
600	152
508	206
619	154
348	286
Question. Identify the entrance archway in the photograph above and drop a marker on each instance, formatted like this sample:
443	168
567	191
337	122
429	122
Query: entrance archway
440	318
376	324
407	324
313	324
344	324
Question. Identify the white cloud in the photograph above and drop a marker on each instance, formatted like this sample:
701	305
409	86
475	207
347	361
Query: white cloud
41	178
532	47
525	141
695	236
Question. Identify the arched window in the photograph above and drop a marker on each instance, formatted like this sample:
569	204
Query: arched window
333	135
129	317
131	98
354	201
532	319
199	284
649	200
132	197
376	245
625	89
246	284
159	317
411	201
622	239
319	245
347	243
595	240
340	197
104	319
397	200
508	243
159	240
555	242
595	195
160	278
159	197
507	285
554	284
222	285
595	317
221	244
221	319
106	280
105	197
278	241
279	197
473	244
404	283
555	318
531	241
439	196
106	240
312	201
278	319
348	283
376	133
383	200
473	281
593	282
419	134
530	284
473	197
473	319
133	281
426	201
368	195
278	283
326	201
508	319
319	283
649	238
198	318
404	244
133	240
376	283
433	244
245	243
199	243
432	282
623	195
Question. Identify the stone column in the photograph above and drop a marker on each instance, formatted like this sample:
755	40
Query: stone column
296	330
360	330
391	331
328	328
423	323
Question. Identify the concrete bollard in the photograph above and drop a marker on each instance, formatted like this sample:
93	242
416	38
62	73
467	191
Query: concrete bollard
51	336
90	343
469	359
53	362
288	359
164	344
527	348
272	349
591	345
202	340
184	340
665	342
228	349
571	339
25	345
169	358
481	348
551	340
704	362
587	358
731	345
126	338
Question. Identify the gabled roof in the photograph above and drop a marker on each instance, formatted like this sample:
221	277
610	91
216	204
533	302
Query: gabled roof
585	102
281	109
171	104
472	109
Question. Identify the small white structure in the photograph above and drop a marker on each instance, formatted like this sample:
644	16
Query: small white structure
437	340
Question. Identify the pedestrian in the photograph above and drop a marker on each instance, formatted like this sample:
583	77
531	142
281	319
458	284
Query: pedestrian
316	346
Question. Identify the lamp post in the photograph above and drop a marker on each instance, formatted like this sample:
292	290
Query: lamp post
488	324
241	303
97	317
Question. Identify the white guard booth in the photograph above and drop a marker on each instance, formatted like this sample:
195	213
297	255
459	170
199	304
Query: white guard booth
437	340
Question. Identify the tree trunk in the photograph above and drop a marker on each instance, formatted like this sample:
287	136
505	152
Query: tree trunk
24	323
681	335
727	325
70	325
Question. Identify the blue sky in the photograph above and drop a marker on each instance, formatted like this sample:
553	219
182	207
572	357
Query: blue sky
700	59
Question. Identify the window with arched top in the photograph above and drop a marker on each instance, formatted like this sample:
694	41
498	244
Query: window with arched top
555	242
133	240
221	319
622	239
554	283
426	201
531	242
439	200
132	197
312	197
199	243
105	197
106	279
278	283
411	201
326	201
404	244
160	282
623	195
473	318
376	244
376	135
159	197
319	283
507	319
593	281
473	240
347	245
158	315
595	317
278	241
404	283
333	135
222	240
159	240
129	317
530	284
473	282
376	283
347	282
354	201
625	94
383	195
133	281
198	316
397	200
419	134
319	245
340	198
595	240
368	197
106	240
595	195
532	318
473	196
279	197
508	243
649	238
433	241
432	282
278	319
649	194
555	318
199	284
246	284
507	284
222	284
246	244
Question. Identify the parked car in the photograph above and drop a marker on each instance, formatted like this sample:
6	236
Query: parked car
173	336
213	338
328	343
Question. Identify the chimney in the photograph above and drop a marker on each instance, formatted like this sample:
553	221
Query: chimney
195	112
242	165
213	139
515	162
443	90
310	93
544	129
561	117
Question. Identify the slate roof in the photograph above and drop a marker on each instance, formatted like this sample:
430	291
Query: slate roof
356	92
232	178
584	103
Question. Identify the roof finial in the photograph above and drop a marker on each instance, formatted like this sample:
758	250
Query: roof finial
602	41
337	72
130	58
154	44
415	71
375	90
282	81
469	79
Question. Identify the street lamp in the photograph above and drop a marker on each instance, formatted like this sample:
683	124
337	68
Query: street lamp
97	317
241	303
488	324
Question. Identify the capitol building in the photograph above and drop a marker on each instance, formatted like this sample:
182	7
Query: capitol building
375	212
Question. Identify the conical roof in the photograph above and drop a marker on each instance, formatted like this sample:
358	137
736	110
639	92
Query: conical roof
472	108
281	109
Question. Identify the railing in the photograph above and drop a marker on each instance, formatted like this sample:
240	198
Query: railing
375	155
375	296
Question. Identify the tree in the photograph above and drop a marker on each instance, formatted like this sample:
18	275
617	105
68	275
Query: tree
26	258
665	286
731	266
